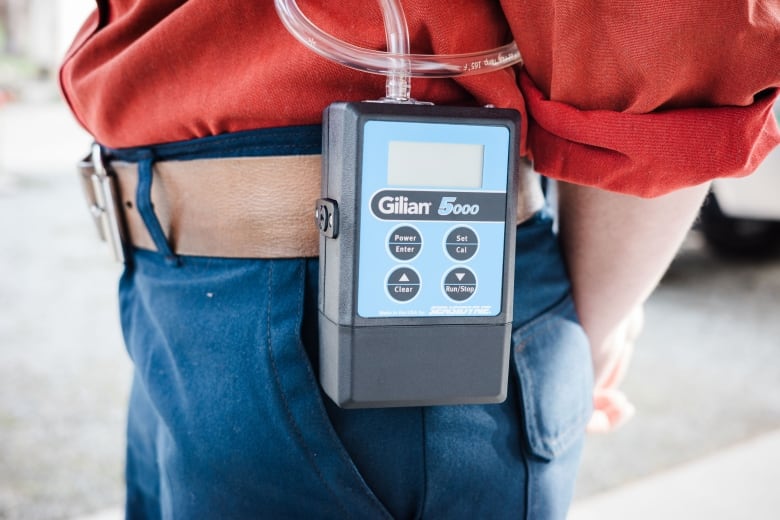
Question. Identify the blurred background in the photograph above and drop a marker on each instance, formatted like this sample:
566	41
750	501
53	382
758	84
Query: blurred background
705	442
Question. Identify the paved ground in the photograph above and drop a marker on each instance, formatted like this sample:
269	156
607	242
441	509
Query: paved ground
737	482
705	442
706	383
62	370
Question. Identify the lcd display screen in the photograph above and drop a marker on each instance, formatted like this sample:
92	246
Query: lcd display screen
436	165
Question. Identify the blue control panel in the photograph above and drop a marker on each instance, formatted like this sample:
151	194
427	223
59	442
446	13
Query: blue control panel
432	219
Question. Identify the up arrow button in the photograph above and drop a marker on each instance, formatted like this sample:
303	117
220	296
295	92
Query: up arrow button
403	284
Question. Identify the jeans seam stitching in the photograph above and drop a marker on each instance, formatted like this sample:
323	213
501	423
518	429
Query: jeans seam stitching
569	427
562	435
423	504
286	405
340	452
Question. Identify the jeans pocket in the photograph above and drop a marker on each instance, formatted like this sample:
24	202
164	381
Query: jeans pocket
551	356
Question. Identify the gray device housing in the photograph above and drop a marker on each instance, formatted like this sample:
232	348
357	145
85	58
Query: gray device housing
397	361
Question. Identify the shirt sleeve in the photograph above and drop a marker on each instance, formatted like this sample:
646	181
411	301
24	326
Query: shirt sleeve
648	97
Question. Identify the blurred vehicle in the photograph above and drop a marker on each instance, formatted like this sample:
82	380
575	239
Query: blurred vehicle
741	217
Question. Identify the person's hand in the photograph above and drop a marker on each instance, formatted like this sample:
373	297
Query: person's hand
612	408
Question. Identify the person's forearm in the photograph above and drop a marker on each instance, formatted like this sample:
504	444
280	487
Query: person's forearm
617	248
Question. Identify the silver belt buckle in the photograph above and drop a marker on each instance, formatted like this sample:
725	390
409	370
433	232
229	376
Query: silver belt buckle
100	191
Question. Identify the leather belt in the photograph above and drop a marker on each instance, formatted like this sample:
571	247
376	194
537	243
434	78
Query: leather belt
249	207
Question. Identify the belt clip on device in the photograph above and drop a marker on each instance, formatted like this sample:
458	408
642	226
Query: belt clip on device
417	221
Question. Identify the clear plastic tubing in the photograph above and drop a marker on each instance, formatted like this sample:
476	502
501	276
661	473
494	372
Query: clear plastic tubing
397	36
397	63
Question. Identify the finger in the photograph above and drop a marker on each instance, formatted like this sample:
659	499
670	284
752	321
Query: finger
599	423
612	409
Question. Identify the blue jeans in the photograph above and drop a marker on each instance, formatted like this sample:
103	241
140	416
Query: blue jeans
227	420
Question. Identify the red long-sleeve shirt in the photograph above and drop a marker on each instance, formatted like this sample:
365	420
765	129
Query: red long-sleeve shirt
639	96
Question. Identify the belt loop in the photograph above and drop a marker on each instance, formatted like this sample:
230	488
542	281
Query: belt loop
143	198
